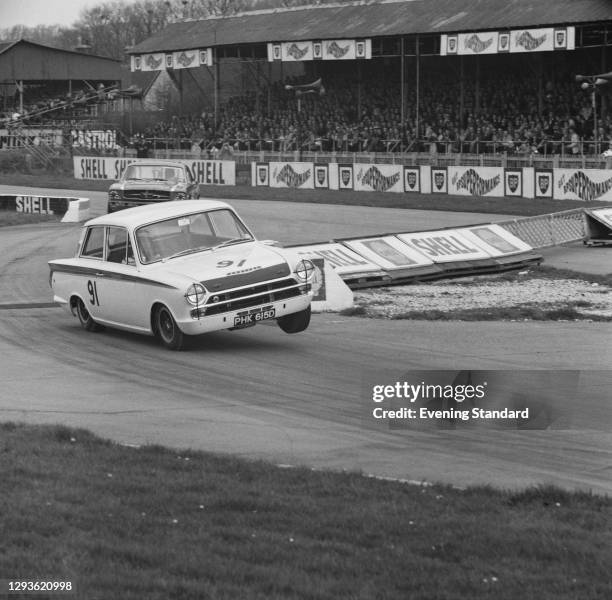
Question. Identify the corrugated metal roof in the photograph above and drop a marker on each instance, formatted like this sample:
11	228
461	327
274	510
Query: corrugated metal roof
5	46
374	19
36	62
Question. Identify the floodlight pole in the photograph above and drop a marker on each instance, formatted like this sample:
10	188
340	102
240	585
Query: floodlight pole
309	88
298	133
590	83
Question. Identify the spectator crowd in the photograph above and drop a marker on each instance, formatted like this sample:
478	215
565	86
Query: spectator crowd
502	113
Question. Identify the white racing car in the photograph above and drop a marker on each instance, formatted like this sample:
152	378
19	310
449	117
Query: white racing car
180	268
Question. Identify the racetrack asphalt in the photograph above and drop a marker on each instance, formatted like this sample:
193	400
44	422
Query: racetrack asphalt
297	399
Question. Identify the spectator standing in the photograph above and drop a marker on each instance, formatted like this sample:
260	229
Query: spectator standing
142	147
574	142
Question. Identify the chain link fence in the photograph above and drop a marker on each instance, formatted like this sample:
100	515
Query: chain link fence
549	230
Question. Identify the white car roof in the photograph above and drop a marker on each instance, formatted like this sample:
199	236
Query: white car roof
139	215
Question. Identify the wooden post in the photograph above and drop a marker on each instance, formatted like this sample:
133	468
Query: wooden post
180	82
540	83
462	91
418	85
359	84
216	85
402	92
269	89
477	86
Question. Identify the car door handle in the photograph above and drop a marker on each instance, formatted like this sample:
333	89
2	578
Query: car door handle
100	274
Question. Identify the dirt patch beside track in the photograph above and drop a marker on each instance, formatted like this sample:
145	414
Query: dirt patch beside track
519	296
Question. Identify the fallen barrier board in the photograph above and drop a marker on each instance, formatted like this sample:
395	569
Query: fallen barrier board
445	246
503	247
395	257
450	251
352	267
598	224
494	240
391	259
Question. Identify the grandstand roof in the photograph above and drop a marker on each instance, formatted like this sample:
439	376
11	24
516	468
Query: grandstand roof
373	18
31	61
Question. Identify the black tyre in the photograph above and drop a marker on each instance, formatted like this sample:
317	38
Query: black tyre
167	330
295	322
85	318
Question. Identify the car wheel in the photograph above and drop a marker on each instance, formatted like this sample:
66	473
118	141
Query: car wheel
167	330
85	318
296	322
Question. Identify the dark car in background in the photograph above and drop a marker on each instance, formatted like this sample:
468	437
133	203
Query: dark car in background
147	182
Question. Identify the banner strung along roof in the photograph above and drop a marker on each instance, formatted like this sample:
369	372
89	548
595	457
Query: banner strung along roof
369	19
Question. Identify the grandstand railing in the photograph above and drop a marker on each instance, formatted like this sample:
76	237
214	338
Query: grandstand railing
409	159
173	147
545	148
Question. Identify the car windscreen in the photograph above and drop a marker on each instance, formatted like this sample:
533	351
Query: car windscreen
188	234
154	172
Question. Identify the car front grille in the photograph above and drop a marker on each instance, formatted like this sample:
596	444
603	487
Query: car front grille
246	297
146	195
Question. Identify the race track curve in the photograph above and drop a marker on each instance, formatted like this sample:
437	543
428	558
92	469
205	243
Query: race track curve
294	399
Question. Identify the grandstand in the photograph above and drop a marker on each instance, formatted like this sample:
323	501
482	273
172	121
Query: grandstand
409	94
419	80
46	93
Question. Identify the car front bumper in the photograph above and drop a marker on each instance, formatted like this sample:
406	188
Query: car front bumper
204	324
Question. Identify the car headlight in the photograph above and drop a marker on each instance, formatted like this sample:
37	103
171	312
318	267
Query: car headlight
114	195
195	294
304	270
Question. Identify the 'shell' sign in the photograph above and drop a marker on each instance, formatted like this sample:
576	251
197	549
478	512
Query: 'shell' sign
34	204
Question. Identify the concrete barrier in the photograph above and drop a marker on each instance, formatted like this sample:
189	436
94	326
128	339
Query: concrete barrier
391	259
72	210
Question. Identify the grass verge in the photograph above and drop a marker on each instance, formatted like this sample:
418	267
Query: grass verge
564	312
155	523
509	206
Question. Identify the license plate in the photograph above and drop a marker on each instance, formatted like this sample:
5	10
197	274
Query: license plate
254	317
